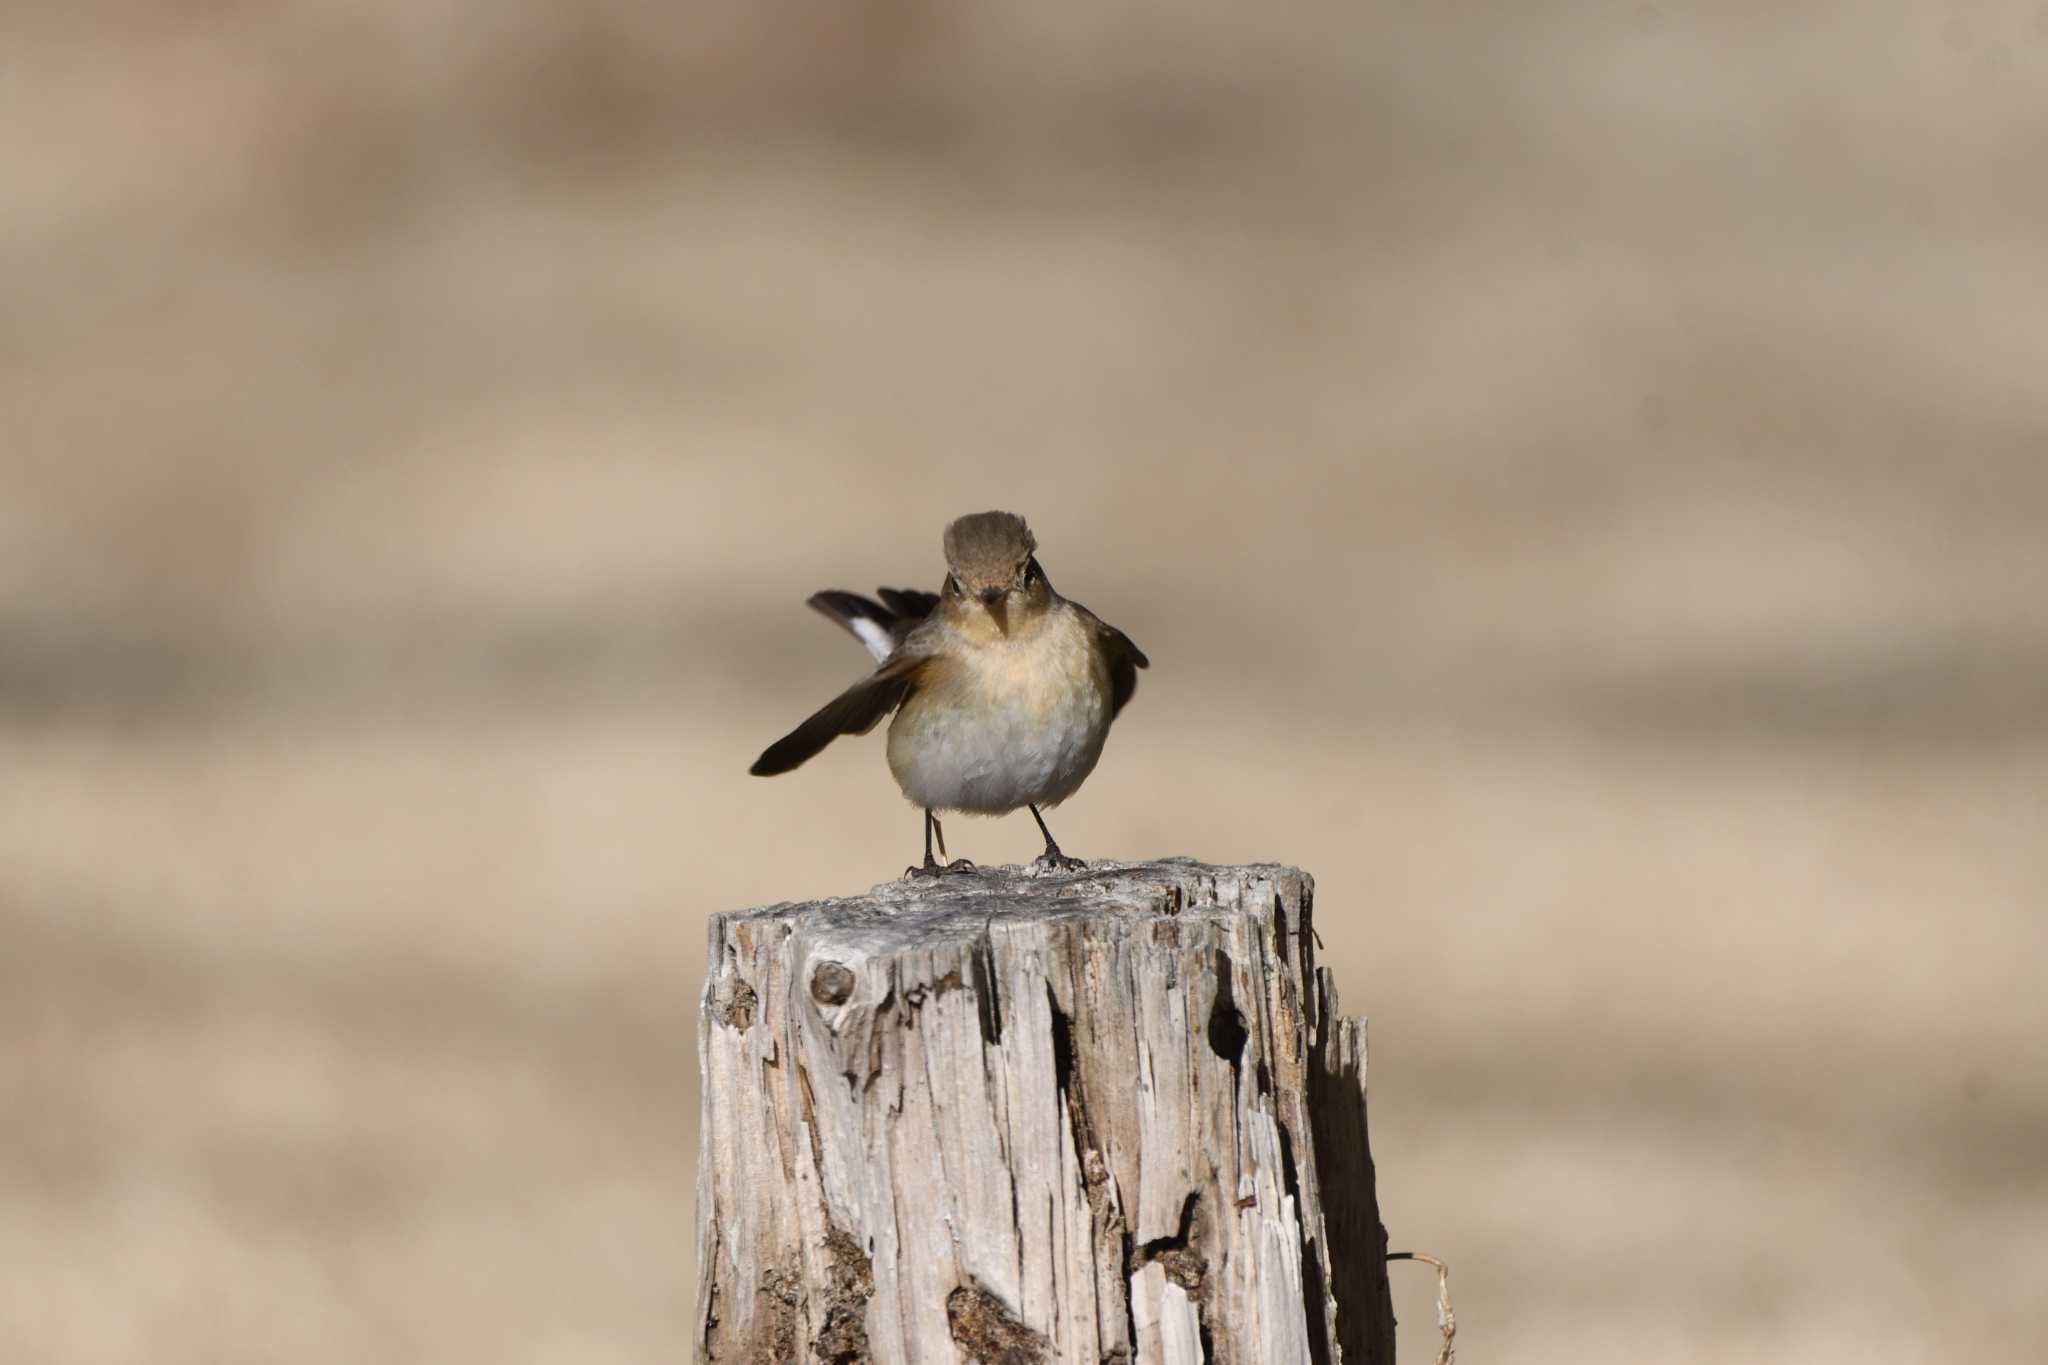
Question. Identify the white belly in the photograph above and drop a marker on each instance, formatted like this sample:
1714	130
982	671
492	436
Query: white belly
1022	724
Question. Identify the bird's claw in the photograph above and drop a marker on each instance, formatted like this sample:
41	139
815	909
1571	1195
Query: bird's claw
1053	860
933	868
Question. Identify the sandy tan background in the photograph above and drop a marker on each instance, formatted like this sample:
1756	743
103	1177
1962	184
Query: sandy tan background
1580	470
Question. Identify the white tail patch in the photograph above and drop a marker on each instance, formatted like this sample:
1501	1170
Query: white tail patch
872	634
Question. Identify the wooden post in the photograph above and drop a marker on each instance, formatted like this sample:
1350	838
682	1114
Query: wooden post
1100	1118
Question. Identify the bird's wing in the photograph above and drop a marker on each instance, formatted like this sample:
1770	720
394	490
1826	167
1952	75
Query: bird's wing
1125	659
853	712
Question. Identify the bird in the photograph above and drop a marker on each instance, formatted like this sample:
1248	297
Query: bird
1002	690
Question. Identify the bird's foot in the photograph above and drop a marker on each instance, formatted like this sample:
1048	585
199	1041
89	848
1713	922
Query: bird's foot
1052	860
931	867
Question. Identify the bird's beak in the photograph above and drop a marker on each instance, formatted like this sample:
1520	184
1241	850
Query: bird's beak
997	602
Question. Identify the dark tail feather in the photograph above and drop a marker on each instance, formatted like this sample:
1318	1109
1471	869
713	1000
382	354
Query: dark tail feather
908	603
879	626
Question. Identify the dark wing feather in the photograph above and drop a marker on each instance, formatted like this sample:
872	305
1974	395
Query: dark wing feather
853	712
1125	659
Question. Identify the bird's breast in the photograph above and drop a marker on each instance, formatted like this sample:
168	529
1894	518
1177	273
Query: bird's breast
997	726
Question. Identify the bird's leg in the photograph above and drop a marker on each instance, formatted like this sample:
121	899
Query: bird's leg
931	866
1052	857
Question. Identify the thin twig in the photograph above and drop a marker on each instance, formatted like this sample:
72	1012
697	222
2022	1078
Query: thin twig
1445	1318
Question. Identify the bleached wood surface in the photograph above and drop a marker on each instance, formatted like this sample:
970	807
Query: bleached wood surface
1107	1117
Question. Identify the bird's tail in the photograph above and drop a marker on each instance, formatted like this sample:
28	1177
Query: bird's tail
881	625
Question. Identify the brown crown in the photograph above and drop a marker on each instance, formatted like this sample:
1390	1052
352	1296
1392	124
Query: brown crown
988	548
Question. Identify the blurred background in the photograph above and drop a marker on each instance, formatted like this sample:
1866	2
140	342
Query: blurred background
1580	471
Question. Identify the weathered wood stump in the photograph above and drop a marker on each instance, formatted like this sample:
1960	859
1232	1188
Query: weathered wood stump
1091	1117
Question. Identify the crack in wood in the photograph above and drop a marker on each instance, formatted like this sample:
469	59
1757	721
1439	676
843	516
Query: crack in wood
1227	1032
980	962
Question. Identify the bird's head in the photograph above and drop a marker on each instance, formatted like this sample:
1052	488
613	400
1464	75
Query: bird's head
993	582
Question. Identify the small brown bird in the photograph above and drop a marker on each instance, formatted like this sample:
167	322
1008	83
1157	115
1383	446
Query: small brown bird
1003	690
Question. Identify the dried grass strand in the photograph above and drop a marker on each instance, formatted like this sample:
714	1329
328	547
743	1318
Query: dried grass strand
1446	1319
